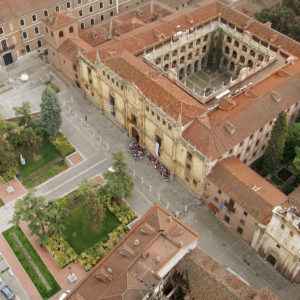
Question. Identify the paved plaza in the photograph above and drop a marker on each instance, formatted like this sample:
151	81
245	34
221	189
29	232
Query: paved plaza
96	138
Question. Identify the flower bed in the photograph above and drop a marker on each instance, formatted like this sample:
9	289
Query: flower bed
61	251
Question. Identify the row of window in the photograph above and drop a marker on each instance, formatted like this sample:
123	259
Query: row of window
57	9
182	58
92	8
93	20
25	34
158	118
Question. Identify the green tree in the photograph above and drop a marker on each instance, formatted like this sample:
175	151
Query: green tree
293	140
274	152
296	161
8	160
50	112
43	218
33	210
56	213
93	201
24	114
26	141
119	183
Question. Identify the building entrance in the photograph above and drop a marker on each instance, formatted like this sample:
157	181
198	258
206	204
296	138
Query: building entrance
8	59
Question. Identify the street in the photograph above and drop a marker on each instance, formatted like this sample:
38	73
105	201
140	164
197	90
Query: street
96	137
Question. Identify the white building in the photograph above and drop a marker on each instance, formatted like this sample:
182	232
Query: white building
279	241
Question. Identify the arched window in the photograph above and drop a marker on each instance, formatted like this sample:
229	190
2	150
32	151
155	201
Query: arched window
61	34
71	29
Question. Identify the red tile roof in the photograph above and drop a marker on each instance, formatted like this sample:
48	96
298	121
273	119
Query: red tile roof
208	280
136	263
207	130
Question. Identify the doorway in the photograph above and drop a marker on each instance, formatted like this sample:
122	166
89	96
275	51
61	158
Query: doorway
135	134
271	259
8	59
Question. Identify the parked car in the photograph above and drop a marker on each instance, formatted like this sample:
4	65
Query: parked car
7	292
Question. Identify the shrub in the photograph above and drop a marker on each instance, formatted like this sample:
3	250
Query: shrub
60	250
124	214
53	86
91	256
62	145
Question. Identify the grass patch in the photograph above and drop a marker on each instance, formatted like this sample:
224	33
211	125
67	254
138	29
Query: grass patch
48	164
31	262
80	232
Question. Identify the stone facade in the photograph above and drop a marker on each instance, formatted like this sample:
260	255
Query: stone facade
279	242
229	212
21	29
154	129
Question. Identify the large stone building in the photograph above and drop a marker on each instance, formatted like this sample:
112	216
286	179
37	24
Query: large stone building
196	87
158	259
241	198
21	30
279	241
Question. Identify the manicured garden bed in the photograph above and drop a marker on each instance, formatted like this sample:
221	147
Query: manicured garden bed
31	262
50	162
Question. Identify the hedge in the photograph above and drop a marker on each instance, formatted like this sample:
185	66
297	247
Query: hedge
62	145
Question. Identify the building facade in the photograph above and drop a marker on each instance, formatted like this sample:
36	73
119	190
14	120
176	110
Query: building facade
146	83
21	29
279	241
240	198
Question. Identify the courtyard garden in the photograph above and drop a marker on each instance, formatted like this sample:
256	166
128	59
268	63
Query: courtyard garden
31	262
84	225
32	146
281	162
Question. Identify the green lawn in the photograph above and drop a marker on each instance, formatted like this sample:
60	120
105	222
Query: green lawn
81	233
31	262
48	164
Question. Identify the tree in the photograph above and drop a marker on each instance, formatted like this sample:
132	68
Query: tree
32	210
296	161
50	112
56	213
24	112
25	141
274	152
8	160
93	201
119	183
293	141
44	219
284	18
